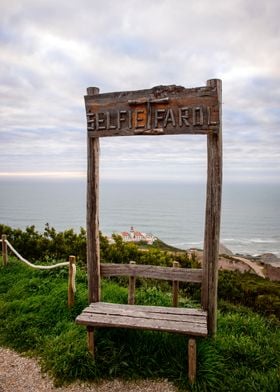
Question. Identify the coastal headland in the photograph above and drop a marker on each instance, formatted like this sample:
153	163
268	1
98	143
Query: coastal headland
265	266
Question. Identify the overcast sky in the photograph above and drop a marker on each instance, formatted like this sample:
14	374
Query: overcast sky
51	51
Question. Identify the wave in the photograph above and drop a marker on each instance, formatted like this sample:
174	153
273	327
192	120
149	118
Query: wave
186	244
250	240
263	241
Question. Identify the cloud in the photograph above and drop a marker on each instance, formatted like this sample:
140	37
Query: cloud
50	52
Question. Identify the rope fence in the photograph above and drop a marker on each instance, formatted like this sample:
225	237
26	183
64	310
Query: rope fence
71	264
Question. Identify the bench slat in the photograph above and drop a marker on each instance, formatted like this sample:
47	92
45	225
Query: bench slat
200	319
124	316
154	309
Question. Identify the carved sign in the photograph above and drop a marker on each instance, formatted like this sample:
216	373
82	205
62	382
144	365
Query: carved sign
162	110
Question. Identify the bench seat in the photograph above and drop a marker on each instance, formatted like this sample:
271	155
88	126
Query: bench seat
158	318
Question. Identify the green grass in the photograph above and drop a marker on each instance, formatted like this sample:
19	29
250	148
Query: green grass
35	319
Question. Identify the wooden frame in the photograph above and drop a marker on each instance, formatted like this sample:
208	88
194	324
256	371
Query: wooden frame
159	111
162	110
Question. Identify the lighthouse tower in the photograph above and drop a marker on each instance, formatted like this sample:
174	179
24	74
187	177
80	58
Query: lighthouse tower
132	233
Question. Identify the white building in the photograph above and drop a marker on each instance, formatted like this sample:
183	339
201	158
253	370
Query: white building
137	236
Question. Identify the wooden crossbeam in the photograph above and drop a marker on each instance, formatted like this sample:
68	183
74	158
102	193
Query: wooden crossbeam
193	275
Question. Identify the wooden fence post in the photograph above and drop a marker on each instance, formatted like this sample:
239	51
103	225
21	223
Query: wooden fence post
4	250
131	287
175	287
71	290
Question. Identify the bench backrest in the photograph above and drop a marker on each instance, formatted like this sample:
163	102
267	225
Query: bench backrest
133	271
193	275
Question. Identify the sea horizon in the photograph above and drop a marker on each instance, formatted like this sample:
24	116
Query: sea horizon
173	211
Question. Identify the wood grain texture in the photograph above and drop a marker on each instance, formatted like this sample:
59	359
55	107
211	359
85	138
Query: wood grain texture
126	316
131	287
160	110
93	249
192	360
212	218
107	306
4	250
148	313
71	294
175	287
154	272
90	340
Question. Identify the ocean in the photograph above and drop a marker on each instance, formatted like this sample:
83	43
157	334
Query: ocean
174	212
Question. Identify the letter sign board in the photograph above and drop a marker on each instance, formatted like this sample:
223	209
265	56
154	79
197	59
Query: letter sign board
162	110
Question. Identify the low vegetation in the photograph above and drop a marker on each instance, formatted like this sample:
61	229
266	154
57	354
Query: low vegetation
53	245
261	295
245	356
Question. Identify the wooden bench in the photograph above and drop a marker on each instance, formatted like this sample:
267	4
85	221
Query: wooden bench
187	321
156	318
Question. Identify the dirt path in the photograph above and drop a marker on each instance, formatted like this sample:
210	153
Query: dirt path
255	267
20	374
235	263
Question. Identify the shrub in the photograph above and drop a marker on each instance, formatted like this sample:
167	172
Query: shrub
259	294
52	245
47	246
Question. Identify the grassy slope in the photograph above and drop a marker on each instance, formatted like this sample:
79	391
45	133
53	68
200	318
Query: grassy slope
34	318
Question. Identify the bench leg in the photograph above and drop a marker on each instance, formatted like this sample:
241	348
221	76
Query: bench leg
192	360
90	340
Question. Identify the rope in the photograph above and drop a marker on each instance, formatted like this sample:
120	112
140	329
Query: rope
43	267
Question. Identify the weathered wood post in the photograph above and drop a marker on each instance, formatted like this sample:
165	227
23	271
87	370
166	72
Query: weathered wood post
90	340
93	250
213	216
4	250
131	287
192	360
175	287
71	283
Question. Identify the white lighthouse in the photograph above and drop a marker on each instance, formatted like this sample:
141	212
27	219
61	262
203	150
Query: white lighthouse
132	233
